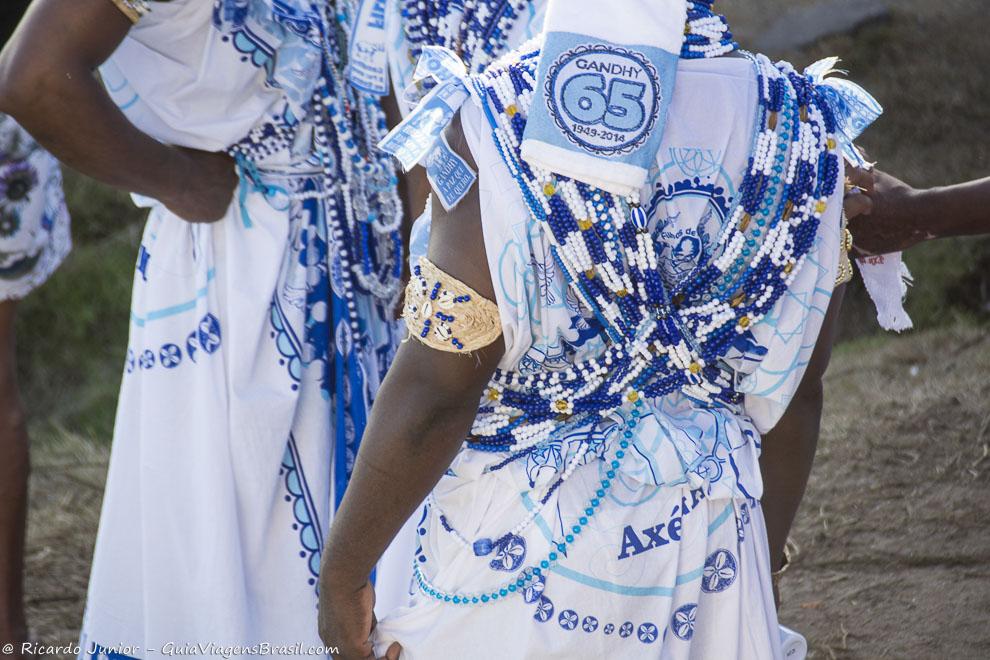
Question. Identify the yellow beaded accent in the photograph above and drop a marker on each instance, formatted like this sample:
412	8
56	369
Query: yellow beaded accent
549	190
585	225
744	322
447	315
831	144
695	368
132	9
821	206
632	397
511	110
845	273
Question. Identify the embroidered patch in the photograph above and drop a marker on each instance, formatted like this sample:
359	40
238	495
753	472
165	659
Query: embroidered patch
606	99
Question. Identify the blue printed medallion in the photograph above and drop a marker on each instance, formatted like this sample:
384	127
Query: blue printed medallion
544	610
682	621
509	553
568	619
720	572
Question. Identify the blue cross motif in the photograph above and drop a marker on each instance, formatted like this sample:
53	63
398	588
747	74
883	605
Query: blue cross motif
544	610
170	356
209	334
590	624
147	360
720	572
647	633
609	628
568	620
682	621
626	629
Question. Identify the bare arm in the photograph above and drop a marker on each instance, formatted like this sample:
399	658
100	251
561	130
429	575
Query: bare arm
48	85
420	419
903	216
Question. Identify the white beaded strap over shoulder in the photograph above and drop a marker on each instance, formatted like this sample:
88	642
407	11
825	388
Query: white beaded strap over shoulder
446	314
133	9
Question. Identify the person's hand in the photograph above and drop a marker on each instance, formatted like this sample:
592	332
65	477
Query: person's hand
347	619
888	226
203	185
857	201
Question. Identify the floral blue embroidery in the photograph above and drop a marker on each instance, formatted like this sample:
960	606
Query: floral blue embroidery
590	624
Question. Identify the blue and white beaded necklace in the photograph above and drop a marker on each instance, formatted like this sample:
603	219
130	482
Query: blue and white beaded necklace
661	340
476	30
363	209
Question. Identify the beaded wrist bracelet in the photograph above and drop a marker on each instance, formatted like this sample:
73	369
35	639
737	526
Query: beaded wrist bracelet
133	9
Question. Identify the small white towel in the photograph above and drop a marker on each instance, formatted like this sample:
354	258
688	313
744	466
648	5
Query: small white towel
887	279
606	73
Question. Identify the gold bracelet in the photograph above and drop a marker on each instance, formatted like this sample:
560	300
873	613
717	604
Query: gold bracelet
133	9
846	272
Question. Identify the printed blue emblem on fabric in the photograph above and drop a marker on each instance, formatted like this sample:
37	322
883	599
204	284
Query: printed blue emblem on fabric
568	620
544	610
206	336
510	552
720	572
647	633
605	99
682	621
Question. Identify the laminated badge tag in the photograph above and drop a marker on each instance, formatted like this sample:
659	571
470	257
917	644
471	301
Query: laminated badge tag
450	176
368	61
420	136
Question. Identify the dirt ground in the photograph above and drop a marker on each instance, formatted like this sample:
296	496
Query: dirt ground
893	538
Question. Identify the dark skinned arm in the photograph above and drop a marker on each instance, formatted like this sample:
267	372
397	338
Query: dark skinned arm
422	414
49	86
903	216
